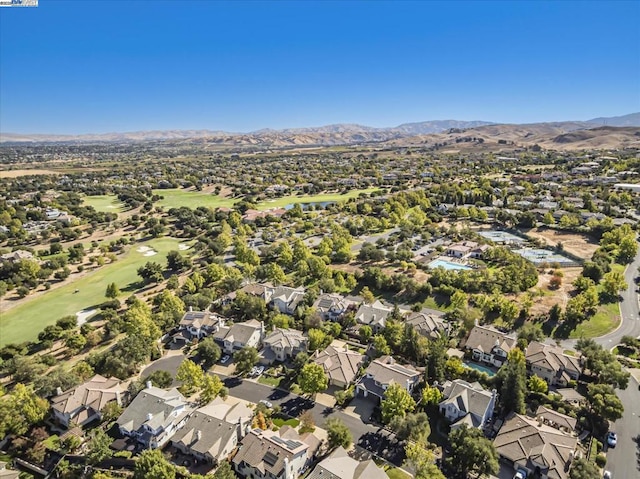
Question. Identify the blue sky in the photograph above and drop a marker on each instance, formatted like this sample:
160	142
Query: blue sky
93	66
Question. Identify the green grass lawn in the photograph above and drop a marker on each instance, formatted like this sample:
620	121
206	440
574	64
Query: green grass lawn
274	382
291	199
24	322
604	321
105	203
289	422
396	473
175	198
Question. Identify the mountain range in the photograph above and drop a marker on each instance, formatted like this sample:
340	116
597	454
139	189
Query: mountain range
435	131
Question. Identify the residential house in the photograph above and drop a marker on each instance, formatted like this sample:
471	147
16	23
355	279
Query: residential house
332	306
282	344
384	371
84	403
464	249
8	473
339	465
197	325
537	448
374	315
551	364
282	454
429	323
17	256
154	415
556	420
467	403
489	345
286	299
212	432
239	335
340	365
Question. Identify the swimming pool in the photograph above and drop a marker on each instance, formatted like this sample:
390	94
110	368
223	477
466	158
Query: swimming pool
479	367
448	265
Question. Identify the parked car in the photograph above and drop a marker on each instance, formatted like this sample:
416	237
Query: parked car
225	359
266	403
520	474
259	370
606	475
612	439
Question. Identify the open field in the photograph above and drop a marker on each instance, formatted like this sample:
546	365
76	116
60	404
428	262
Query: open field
578	244
24	322
333	197
175	198
18	173
105	203
604	321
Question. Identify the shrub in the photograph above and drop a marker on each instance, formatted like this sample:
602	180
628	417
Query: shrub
601	460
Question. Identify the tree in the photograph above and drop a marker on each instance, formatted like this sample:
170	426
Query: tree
151	463
138	322
514	382
75	343
317	339
177	262
338	433
602	364
537	385
583	469
380	345
471	452
365	333
628	249
151	272
422	461
312	378
224	471
191	376
397	402
431	395
112	291
246	359
530	332
212	387
367	295
437	359
613	283
209	352
604	402
414	427
99	449
21	410
160	379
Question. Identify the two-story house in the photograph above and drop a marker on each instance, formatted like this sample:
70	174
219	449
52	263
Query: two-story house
539	449
84	403
467	403
212	432
339	465
332	306
154	415
552	364
197	325
340	365
428	323
381	373
286	299
282	344
282	454
489	345
374	315
239	335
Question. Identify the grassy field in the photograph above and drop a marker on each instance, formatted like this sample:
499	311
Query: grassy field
105	203
287	200
24	322
396	473
604	321
175	198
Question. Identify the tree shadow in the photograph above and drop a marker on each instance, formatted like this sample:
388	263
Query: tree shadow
637	441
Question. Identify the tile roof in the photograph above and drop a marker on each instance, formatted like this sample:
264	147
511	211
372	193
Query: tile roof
238	332
339	364
338	465
373	314
427	324
555	419
523	440
385	371
93	394
286	339
552	357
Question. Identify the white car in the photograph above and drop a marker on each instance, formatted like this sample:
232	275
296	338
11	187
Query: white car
266	403
225	359
606	475
612	439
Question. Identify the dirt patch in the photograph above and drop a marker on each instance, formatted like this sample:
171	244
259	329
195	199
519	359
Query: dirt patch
18	173
543	302
578	244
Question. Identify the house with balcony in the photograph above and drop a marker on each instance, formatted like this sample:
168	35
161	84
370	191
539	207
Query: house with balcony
552	364
488	345
213	431
83	404
239	335
381	373
282	454
282	344
467	403
154	416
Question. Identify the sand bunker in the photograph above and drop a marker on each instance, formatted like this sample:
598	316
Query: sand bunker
84	315
183	246
146	251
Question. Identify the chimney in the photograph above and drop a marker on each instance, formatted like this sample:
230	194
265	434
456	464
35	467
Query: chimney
118	398
58	391
191	309
198	435
288	473
149	385
149	416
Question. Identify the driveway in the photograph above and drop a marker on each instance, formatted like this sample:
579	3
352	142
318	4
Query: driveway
168	363
361	408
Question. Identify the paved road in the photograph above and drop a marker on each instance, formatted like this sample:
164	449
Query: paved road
367	436
624	460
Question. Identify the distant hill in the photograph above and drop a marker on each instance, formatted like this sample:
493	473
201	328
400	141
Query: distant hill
437	126
632	119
